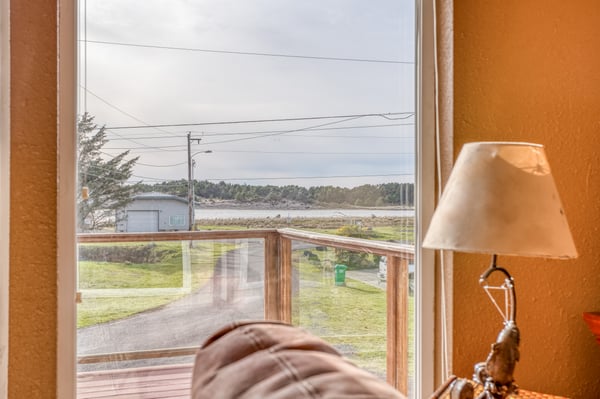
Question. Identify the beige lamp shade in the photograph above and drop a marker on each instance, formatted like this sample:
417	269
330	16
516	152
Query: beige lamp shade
501	199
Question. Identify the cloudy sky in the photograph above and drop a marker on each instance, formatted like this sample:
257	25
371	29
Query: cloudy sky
154	70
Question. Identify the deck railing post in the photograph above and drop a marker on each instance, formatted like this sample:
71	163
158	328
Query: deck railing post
397	323
285	288
272	277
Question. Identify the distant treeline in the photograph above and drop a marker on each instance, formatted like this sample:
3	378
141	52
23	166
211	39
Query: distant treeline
387	194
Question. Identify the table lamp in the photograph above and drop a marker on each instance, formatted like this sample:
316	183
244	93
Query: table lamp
501	199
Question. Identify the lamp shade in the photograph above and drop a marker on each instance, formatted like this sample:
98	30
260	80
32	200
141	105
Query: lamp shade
501	199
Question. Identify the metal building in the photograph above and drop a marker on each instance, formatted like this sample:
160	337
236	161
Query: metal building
153	212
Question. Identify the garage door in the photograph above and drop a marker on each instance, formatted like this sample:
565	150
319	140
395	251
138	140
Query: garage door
142	221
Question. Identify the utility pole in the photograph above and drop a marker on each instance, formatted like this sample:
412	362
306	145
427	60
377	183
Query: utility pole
190	182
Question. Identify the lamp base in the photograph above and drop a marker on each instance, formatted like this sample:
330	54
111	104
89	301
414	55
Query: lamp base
496	373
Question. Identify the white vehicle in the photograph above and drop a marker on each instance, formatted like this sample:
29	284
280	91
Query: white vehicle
382	273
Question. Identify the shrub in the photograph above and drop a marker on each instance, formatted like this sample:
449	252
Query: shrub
138	253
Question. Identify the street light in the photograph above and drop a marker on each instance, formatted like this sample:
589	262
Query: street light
190	179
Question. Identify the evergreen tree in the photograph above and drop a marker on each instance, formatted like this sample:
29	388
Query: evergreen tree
104	180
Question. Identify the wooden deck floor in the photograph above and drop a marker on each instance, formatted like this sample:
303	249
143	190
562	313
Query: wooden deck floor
158	382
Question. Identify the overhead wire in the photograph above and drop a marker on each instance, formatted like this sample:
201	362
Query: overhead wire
283	132
211	134
363	153
278	133
119	109
252	53
321	136
406	114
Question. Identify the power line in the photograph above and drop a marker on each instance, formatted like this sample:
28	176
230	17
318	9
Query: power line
291	153
163	148
150	150
161	166
112	105
280	152
381	115
179	148
124	112
127	114
283	132
207	134
159	148
252	53
345	136
132	141
216	134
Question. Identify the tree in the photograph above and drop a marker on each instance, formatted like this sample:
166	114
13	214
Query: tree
103	176
354	260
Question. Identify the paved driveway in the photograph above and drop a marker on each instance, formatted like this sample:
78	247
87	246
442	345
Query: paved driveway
187	322
183	323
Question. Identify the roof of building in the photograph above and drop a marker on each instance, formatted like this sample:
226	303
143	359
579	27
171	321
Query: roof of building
159	196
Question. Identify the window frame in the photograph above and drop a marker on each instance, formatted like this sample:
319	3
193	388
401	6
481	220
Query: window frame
180	220
66	233
66	383
4	190
425	200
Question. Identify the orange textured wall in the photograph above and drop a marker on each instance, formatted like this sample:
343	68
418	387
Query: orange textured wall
530	71
33	165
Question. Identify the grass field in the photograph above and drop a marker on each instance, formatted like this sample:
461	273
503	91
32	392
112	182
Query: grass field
168	273
351	317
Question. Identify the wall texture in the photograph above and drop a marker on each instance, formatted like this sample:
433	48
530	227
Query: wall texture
33	165
530	71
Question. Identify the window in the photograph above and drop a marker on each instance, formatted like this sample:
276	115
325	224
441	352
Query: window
273	122
177	220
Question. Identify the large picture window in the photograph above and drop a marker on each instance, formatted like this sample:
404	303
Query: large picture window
267	119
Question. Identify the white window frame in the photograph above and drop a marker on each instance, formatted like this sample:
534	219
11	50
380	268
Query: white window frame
4	190
66	234
66	202
425	200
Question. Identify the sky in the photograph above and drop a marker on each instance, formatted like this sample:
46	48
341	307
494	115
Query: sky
151	71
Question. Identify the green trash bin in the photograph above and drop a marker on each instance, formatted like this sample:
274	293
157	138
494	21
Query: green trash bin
340	274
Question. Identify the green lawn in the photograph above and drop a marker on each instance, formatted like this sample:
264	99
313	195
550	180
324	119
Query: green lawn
100	310
167	273
351	317
96	275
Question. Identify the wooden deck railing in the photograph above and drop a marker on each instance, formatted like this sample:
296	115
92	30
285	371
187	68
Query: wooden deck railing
278	283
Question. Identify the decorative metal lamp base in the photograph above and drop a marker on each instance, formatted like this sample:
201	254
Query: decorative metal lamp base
496	373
